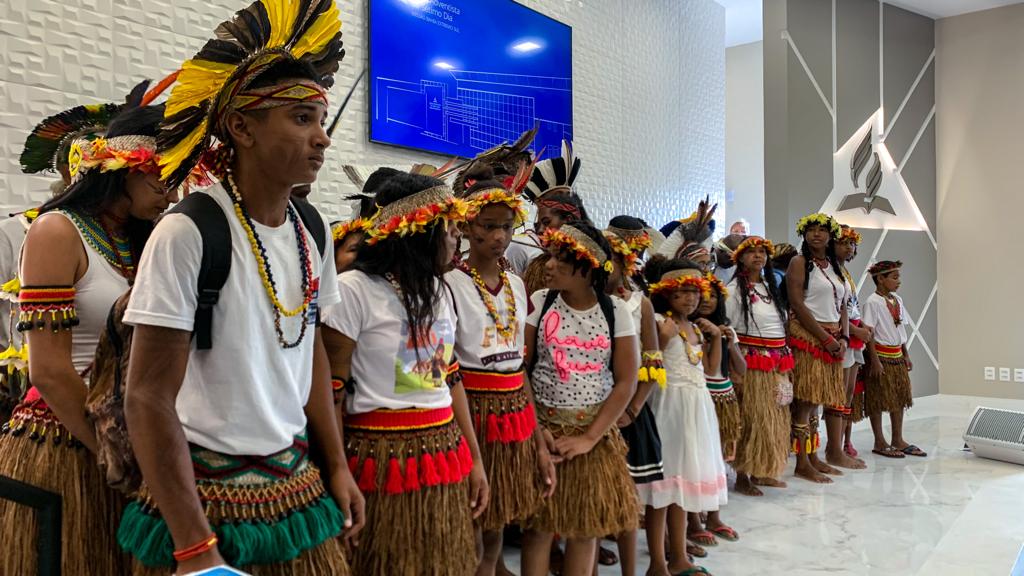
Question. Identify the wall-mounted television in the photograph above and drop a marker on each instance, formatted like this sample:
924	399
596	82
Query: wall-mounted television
456	77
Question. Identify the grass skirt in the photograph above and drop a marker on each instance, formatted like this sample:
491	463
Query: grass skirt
764	449
890	391
817	375
727	408
271	514
413	467
595	495
504	421
37	450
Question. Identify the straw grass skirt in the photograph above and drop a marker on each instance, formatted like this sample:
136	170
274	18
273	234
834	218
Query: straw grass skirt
889	391
817	375
728	411
272	516
504	421
37	450
764	448
595	495
413	467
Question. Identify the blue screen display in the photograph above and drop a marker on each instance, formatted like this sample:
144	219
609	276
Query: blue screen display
457	77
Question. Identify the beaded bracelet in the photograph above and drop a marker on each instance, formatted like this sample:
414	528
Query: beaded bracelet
197	549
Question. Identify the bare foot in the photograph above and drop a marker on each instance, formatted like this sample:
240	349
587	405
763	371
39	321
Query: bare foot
823	467
808	472
843	460
746	487
769	482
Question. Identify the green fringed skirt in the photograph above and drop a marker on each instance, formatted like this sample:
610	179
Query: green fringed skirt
271	515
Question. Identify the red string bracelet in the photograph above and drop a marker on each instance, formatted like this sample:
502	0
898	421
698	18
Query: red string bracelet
197	549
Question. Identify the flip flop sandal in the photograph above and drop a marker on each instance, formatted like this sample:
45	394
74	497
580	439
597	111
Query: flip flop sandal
889	452
703	538
725	533
913	450
606	557
695	551
693	571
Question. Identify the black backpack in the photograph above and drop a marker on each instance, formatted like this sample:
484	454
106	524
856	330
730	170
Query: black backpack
105	401
607	308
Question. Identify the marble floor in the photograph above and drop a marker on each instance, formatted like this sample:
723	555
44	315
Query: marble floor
949	513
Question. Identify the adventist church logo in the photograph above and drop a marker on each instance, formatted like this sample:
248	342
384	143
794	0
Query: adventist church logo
867	188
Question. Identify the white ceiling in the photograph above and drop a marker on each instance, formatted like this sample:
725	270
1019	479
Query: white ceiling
743	17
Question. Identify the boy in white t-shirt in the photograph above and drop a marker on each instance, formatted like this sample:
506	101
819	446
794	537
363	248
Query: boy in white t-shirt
887	386
221	434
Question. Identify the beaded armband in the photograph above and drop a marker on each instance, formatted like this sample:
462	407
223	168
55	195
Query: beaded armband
40	305
454	375
337	388
652	367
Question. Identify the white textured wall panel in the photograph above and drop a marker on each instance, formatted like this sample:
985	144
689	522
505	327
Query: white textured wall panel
649	89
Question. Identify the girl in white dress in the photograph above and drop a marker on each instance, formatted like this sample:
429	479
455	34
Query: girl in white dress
684	412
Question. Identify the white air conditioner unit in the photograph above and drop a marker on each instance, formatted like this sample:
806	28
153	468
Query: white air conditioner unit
997	434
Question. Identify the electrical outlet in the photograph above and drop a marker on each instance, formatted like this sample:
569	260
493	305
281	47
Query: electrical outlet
990	373
1018	375
1004	374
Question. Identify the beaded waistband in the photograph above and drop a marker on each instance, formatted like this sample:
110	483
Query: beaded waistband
719	385
892	352
407	419
481	381
761	342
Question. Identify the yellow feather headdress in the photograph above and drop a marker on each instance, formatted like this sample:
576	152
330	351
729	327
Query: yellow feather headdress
265	33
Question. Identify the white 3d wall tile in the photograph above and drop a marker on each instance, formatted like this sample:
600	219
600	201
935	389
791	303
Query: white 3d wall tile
649	90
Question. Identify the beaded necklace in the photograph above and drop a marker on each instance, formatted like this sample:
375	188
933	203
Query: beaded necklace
266	274
835	289
894	308
694	357
507	328
115	250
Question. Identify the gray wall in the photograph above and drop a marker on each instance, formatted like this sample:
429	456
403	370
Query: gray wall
862	55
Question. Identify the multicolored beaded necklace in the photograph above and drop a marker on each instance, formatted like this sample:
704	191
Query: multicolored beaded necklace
263	265
115	250
506	329
894	308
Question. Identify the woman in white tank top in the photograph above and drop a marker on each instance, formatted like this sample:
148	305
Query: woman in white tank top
78	258
818	333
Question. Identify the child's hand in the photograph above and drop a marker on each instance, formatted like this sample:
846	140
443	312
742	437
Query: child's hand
728	332
708	328
546	466
667	329
572	446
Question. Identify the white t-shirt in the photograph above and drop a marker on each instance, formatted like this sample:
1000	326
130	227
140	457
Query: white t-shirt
246	395
765	321
12	236
522	251
389	370
826	294
573	351
477	342
877	315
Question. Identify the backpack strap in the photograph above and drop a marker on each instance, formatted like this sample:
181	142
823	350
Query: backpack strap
313	222
549	301
213	227
608	308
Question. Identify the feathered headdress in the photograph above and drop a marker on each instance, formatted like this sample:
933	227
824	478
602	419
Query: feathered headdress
47	146
216	80
553	175
694	229
581	246
507	162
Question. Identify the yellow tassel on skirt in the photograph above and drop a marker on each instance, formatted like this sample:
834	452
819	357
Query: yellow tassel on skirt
595	495
890	391
764	448
817	376
504	422
91	511
411	466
